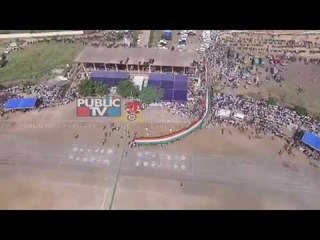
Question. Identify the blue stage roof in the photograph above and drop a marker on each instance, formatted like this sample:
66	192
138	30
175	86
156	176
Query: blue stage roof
175	85
20	103
311	140
109	75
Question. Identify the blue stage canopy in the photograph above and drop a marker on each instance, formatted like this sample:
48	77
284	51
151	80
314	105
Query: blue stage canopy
111	78
109	74
21	103
312	140
167	84
175	86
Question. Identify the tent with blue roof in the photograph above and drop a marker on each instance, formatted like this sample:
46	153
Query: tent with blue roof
312	140
111	78
21	103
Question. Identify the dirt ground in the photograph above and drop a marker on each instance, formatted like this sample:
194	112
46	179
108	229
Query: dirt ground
47	167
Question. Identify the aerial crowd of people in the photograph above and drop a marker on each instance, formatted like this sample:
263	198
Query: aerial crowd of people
48	96
264	118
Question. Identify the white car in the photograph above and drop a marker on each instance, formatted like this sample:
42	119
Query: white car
8	50
163	42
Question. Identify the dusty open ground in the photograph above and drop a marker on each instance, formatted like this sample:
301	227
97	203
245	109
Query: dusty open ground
46	167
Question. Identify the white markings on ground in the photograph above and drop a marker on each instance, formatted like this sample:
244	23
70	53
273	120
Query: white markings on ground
76	185
104	199
106	161
90	155
161	161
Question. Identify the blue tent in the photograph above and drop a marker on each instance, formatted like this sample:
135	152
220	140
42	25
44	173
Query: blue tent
20	103
312	140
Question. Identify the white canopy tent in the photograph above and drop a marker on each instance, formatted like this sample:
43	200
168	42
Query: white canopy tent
223	113
239	116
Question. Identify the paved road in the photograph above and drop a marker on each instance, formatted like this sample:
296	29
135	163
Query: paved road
144	38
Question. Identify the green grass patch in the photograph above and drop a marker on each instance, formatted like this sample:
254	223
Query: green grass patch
27	31
35	62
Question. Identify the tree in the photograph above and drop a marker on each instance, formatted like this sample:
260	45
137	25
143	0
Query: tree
272	101
302	111
87	88
150	94
127	89
102	90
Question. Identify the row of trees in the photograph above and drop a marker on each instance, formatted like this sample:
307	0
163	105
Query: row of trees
90	88
125	89
147	95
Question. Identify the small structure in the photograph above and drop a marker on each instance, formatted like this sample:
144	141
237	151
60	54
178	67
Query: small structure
223	113
239	116
138	81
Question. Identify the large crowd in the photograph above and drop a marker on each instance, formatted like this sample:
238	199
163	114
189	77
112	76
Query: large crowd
271	44
245	60
264	118
48	96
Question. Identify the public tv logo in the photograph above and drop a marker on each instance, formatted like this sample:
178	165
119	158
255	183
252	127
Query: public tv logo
99	107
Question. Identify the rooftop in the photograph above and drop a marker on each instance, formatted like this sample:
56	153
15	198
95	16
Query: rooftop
136	55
